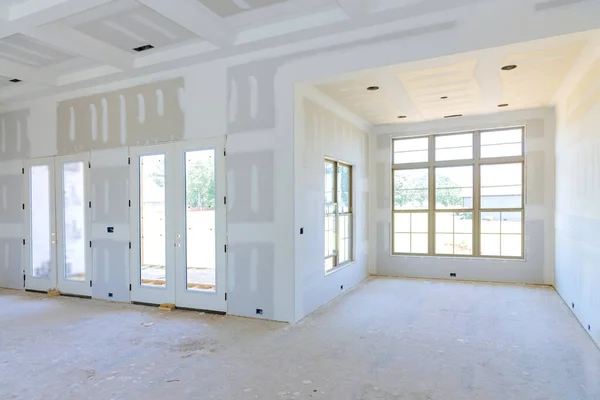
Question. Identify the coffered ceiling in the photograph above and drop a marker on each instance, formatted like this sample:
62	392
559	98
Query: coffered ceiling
54	45
461	84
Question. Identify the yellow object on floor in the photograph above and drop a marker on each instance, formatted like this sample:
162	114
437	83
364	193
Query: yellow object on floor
167	307
53	293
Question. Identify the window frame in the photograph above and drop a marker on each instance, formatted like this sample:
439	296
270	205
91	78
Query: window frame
335	256
476	162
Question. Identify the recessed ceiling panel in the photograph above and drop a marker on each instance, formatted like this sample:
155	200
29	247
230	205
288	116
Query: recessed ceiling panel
225	8
446	90
24	50
538	74
128	25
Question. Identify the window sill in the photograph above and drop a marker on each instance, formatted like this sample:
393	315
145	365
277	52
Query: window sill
340	267
457	257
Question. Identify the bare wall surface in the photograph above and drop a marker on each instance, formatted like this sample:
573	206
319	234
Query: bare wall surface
11	224
250	98
322	131
134	116
578	200
538	266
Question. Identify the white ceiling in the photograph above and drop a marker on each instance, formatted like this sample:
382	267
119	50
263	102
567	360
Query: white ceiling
54	45
468	84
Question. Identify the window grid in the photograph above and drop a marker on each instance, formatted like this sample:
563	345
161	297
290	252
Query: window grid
477	161
338	219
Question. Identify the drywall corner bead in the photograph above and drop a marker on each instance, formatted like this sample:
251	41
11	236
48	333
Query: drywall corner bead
132	116
14	135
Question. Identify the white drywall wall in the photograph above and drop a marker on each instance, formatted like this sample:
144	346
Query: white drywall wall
538	266
250	98
578	198
324	129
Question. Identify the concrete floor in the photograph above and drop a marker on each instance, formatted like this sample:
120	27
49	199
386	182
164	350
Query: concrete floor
387	339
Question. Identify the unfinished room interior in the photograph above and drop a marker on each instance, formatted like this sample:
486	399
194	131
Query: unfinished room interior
300	199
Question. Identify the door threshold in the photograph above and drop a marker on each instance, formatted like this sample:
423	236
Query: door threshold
139	303
79	296
36	291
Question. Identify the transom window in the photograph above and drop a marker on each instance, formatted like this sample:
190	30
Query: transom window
338	214
459	194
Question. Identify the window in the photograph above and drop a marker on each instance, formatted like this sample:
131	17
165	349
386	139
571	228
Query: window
459	194
338	214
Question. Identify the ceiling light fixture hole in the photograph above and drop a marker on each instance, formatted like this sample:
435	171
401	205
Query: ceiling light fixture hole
143	48
444	97
509	67
401	116
502	105
373	88
15	80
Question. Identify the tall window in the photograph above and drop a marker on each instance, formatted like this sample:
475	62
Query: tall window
338	214
459	194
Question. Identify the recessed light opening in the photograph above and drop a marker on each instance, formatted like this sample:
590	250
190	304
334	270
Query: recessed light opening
444	97
401	116
143	48
502	105
373	88
453	116
509	67
15	80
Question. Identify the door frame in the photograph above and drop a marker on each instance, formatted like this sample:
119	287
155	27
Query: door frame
84	287
175	290
31	282
202	299
140	293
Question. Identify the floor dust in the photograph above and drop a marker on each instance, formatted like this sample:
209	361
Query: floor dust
389	339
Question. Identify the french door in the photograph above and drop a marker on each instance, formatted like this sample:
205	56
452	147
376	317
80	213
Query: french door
58	255
178	226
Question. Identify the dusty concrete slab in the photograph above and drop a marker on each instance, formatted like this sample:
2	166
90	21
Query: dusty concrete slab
388	339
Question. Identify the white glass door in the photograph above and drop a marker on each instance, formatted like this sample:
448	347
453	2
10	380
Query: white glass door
178	224
152	264
73	225
40	248
200	225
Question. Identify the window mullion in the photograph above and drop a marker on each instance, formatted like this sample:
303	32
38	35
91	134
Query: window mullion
431	192
476	194
337	213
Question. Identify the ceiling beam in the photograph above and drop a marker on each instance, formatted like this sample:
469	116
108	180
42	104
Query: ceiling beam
354	8
195	17
74	42
33	13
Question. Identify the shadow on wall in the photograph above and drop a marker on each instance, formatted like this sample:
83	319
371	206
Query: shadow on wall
134	116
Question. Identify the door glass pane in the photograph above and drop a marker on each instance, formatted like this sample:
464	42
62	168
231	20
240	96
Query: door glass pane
41	229
200	219
152	220
74	220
